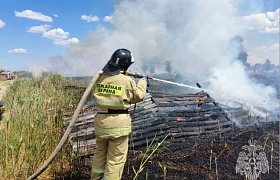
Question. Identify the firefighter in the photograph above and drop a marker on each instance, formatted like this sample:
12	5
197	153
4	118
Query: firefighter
114	93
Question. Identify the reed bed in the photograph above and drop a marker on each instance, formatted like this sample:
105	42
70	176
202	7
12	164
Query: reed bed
34	126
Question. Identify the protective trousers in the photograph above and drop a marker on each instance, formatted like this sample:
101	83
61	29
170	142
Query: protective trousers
109	158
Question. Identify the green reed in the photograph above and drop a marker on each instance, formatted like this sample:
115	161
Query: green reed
34	126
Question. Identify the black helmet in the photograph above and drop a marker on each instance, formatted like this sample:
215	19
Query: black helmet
121	59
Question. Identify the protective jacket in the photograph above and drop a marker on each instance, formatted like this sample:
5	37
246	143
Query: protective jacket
116	92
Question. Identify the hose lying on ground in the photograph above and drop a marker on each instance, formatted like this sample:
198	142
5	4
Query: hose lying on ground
69	128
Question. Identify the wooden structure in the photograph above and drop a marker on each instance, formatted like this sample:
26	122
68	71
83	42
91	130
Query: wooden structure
180	117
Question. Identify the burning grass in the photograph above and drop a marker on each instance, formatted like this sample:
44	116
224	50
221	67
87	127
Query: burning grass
34	126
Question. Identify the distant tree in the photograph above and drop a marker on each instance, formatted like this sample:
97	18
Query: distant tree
168	66
267	65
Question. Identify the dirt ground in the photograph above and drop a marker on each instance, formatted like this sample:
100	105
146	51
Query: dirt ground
192	160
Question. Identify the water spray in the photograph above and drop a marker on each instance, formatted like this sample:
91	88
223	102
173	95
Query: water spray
251	107
199	87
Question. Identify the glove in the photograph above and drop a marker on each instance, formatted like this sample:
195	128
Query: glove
146	78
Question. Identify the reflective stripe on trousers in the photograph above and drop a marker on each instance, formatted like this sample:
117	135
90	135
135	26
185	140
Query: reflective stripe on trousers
115	130
97	170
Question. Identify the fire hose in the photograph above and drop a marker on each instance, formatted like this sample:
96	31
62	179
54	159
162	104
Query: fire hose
73	120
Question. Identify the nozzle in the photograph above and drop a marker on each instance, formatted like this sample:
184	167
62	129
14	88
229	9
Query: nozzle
136	75
128	73
149	77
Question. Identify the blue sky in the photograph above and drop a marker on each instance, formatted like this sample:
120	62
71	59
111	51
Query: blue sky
32	31
64	14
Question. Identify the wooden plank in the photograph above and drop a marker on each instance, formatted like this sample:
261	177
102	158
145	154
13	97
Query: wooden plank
149	135
89	121
144	121
83	134
84	143
150	129
144	108
82	126
147	124
81	118
147	141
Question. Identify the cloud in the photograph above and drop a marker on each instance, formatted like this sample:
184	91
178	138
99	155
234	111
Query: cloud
90	18
56	34
19	50
263	22
60	37
2	24
39	29
260	54
55	15
66	43
108	18
33	15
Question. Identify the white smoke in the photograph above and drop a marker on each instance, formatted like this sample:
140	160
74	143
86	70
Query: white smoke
231	82
193	35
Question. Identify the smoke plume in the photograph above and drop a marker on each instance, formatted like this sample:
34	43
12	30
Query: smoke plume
193	35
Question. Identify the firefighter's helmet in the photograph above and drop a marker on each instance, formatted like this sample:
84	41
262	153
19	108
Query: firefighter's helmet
121	59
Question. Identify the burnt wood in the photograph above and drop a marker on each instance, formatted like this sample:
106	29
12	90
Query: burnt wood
179	117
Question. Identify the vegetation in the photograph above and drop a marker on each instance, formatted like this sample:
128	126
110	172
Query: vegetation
34	126
151	149
2	78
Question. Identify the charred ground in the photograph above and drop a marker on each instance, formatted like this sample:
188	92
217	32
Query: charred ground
191	159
